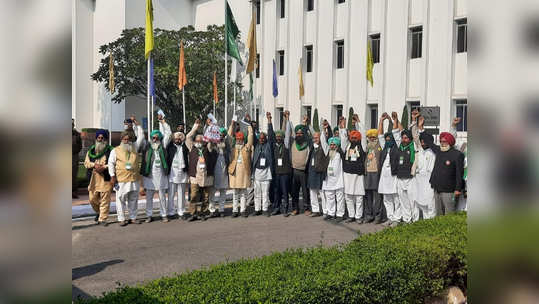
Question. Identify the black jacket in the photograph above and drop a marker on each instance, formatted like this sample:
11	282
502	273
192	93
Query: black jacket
171	151
267	148
447	175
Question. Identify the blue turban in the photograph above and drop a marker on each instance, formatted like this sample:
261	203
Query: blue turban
159	134
105	133
222	130
335	140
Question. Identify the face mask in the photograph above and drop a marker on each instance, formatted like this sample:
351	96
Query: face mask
126	127
198	145
316	145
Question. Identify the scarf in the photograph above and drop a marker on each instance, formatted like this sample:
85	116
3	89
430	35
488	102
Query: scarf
409	147
301	146
149	158
389	143
93	156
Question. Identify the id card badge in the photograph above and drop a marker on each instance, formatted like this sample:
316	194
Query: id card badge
202	165
353	158
217	194
312	162
262	162
158	162
175	164
330	171
240	159
280	162
401	160
128	166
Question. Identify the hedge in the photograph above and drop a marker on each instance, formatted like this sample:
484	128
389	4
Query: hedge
405	264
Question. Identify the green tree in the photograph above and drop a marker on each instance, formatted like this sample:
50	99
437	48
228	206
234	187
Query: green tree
316	124
404	118
204	54
350	114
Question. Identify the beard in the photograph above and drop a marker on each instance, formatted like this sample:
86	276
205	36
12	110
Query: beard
332	154
127	147
299	139
221	145
99	146
371	144
445	148
155	145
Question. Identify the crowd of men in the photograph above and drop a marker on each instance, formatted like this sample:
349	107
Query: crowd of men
393	177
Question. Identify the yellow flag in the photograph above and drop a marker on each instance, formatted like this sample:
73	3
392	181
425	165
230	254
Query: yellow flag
301	88
182	76
148	46
370	64
251	42
215	96
111	73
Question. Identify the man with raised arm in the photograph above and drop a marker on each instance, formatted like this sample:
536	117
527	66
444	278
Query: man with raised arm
263	169
317	164
283	169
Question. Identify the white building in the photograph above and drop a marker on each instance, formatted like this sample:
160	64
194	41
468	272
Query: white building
419	47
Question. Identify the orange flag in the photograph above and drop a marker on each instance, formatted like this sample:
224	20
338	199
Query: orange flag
215	97
182	76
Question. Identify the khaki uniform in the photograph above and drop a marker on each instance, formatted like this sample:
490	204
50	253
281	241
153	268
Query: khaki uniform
99	190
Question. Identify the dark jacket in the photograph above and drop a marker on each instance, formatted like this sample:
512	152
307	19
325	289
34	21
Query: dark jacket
147	162
76	141
447	175
321	160
355	167
91	151
393	154
171	151
267	148
209	157
404	169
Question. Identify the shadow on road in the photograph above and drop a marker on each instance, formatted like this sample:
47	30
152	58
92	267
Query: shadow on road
84	271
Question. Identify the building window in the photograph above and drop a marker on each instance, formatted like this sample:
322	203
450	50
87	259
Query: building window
307	111
257	65
462	35
257	113
373	112
281	8
416	41
340	53
461	110
338	113
310	5
280	112
341	1
375	47
309	57
257	12
281	63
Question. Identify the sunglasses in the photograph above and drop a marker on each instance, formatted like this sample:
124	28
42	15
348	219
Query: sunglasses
155	137
100	137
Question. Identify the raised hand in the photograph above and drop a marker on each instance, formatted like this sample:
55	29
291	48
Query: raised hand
247	117
305	119
268	116
342	122
286	114
456	121
421	122
384	116
197	121
394	116
355	118
415	114
325	124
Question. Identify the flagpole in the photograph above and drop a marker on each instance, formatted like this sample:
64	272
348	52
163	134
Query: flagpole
110	123
148	95
226	89
152	102
183	101
234	86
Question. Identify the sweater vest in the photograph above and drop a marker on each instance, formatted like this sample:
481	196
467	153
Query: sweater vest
122	158
404	166
299	158
356	166
284	154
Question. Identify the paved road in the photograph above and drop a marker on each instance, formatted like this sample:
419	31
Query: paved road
103	256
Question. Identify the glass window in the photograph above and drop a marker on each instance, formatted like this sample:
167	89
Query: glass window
340	54
310	5
257	12
462	35
416	41
282	8
281	62
309	57
257	65
461	110
375	47
373	109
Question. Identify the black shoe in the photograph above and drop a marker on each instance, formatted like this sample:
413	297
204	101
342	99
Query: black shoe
165	220
203	218
123	223
328	217
245	214
235	214
339	219
378	221
193	218
350	220
96	218
135	221
275	212
184	217
287	214
360	221
369	220
104	223
214	214
257	213
148	220
267	213
221	214
315	214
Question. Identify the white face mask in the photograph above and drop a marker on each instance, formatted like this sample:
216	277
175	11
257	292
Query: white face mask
198	145
316	145
126	127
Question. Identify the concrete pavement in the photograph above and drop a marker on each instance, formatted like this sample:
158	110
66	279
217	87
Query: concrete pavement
102	257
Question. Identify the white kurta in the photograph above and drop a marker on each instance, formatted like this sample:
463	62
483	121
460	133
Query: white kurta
421	189
334	178
157	178
125	188
353	184
388	182
177	175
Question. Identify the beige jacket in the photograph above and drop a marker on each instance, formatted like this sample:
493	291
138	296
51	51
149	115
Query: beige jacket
239	174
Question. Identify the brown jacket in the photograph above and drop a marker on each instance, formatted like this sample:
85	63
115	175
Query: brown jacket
239	174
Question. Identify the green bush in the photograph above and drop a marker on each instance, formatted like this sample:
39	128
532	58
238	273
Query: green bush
405	264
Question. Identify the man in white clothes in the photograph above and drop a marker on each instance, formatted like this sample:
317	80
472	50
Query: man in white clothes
387	185
354	170
155	169
178	162
333	185
124	171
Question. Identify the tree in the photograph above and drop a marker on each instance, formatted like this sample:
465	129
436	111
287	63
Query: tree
404	118
350	114
204	54
316	124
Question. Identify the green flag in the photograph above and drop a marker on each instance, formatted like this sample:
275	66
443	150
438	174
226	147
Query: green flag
231	33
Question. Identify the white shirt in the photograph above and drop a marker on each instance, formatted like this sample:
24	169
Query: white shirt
177	175
334	178
124	188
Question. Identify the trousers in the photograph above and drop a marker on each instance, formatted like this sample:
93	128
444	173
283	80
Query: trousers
180	203
125	201
162	202
100	202
354	204
335	202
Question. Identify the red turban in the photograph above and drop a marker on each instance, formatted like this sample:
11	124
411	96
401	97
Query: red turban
355	135
239	135
447	137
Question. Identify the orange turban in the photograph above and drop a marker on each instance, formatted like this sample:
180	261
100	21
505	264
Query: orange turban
355	135
239	136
